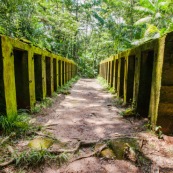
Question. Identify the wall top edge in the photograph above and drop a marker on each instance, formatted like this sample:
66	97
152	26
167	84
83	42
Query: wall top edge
26	45
148	45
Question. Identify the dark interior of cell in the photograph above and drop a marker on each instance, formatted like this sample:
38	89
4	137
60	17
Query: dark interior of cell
59	73
130	78
146	69
55	75
122	77
22	79
48	76
38	77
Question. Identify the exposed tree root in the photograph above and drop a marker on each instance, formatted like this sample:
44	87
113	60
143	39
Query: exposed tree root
7	138
7	163
92	154
45	135
4	140
80	144
50	123
10	149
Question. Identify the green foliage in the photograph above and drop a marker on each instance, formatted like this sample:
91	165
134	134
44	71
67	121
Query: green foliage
37	157
86	68
47	102
47	26
65	89
156	129
156	13
112	90
20	125
36	108
129	112
104	83
87	31
118	102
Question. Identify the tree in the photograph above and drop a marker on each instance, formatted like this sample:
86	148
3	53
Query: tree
87	31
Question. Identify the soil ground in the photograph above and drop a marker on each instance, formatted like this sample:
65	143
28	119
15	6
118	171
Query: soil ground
88	113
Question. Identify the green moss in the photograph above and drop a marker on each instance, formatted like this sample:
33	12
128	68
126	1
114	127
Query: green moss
108	153
8	86
158	47
118	146
128	113
40	143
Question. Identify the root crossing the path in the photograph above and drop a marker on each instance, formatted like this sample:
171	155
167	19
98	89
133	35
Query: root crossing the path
88	114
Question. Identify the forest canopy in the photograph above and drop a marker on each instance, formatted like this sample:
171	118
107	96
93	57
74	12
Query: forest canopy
86	30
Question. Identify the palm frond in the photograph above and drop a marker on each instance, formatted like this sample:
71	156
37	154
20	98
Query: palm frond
158	15
164	5
143	20
143	10
99	18
148	3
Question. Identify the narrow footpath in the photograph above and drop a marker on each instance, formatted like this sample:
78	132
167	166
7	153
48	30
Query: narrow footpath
89	113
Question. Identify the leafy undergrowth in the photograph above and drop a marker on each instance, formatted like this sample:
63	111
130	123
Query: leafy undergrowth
34	158
118	102
17	133
105	85
19	126
65	89
16	148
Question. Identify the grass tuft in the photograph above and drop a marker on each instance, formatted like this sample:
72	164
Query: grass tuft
30	158
65	89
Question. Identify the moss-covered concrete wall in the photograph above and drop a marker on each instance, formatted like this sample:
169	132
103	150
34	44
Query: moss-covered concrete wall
130	78
38	77
27	74
22	81
2	93
165	108
143	75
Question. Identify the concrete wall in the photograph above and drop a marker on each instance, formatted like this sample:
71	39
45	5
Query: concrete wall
144	76
28	74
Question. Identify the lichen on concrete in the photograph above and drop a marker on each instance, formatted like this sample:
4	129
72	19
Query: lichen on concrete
14	50
152	82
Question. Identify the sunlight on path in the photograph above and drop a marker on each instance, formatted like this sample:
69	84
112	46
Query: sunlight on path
87	114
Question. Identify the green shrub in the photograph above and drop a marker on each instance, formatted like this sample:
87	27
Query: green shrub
19	125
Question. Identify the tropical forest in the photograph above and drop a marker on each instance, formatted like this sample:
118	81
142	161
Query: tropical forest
86	86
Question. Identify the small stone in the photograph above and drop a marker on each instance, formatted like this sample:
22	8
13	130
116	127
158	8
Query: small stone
40	143
97	146
108	153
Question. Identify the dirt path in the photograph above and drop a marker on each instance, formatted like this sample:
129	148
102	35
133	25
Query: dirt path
88	114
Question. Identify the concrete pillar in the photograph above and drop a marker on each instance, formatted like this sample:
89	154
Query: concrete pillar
7	86
120	83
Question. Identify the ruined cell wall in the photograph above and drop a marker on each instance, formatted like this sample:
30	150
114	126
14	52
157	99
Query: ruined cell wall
145	78
29	74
